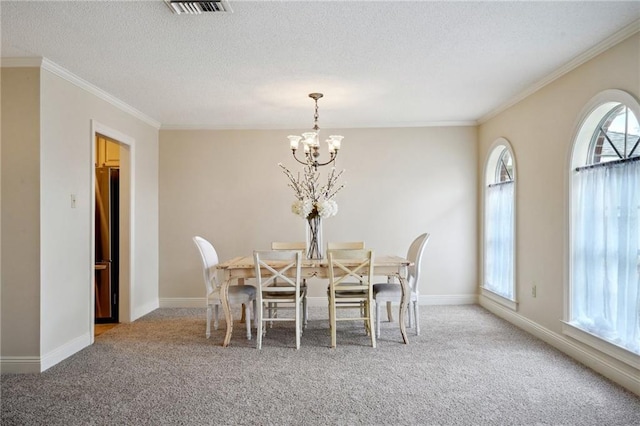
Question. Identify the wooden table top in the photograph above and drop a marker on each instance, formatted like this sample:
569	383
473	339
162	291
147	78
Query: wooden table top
246	262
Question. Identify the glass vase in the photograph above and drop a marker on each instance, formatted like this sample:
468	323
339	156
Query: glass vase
314	238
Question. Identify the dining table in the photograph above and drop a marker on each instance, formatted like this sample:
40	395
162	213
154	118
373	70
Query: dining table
240	268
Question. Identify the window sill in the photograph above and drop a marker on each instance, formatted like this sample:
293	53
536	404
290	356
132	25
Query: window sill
501	300
614	351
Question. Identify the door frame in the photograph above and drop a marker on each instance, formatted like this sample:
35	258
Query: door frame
127	209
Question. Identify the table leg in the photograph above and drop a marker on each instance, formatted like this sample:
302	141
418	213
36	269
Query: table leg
404	303
224	298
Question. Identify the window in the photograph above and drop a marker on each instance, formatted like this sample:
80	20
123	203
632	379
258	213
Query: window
604	292
499	225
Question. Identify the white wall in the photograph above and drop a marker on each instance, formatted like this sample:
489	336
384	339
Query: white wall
227	187
62	260
541	129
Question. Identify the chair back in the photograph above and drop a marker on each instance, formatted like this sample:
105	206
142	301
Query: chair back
349	245
288	245
350	265
415	256
209	263
281	267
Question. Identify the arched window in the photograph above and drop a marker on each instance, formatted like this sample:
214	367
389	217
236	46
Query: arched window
605	222
499	213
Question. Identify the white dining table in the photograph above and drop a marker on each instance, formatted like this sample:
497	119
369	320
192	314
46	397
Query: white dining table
240	268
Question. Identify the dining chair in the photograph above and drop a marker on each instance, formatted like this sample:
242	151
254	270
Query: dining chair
285	266
293	245
237	295
389	292
350	275
348	245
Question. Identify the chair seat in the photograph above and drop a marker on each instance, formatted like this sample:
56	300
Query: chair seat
391	292
348	293
281	294
241	294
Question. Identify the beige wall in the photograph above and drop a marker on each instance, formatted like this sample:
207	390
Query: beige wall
20	315
541	129
52	159
227	187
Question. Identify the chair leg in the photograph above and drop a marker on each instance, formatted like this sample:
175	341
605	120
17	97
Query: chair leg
215	316
298	322
409	315
255	315
208	331
247	311
272	312
416	317
378	309
259	329
389	312
365	313
305	311
242	318
332	321
370	323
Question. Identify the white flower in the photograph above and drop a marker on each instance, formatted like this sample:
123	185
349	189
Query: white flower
313	199
327	208
302	207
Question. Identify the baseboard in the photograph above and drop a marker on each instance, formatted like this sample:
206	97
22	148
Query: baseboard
34	364
591	358
145	309
65	351
321	301
19	364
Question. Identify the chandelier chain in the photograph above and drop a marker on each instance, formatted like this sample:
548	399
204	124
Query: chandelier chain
315	118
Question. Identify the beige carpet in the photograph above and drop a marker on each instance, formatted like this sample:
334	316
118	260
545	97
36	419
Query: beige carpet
467	368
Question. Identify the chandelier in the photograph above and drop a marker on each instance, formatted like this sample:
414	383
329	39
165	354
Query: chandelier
311	142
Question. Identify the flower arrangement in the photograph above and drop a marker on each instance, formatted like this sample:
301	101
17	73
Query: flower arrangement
314	202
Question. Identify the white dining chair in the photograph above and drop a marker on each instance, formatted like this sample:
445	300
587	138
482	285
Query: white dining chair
237	295
293	245
345	245
285	267
389	292
350	275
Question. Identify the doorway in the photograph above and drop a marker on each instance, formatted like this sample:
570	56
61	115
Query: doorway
107	229
113	154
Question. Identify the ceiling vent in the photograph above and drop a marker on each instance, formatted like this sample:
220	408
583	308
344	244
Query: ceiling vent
197	7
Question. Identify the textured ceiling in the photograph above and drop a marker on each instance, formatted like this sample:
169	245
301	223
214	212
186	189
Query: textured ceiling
379	64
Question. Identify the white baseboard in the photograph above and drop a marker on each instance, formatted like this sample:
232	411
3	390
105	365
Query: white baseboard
34	364
65	351
321	301
591	358
19	364
145	309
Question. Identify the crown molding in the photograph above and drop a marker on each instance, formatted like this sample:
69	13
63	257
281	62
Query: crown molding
65	74
358	126
607	43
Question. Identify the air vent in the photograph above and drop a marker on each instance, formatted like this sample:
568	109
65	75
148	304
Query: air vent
198	7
